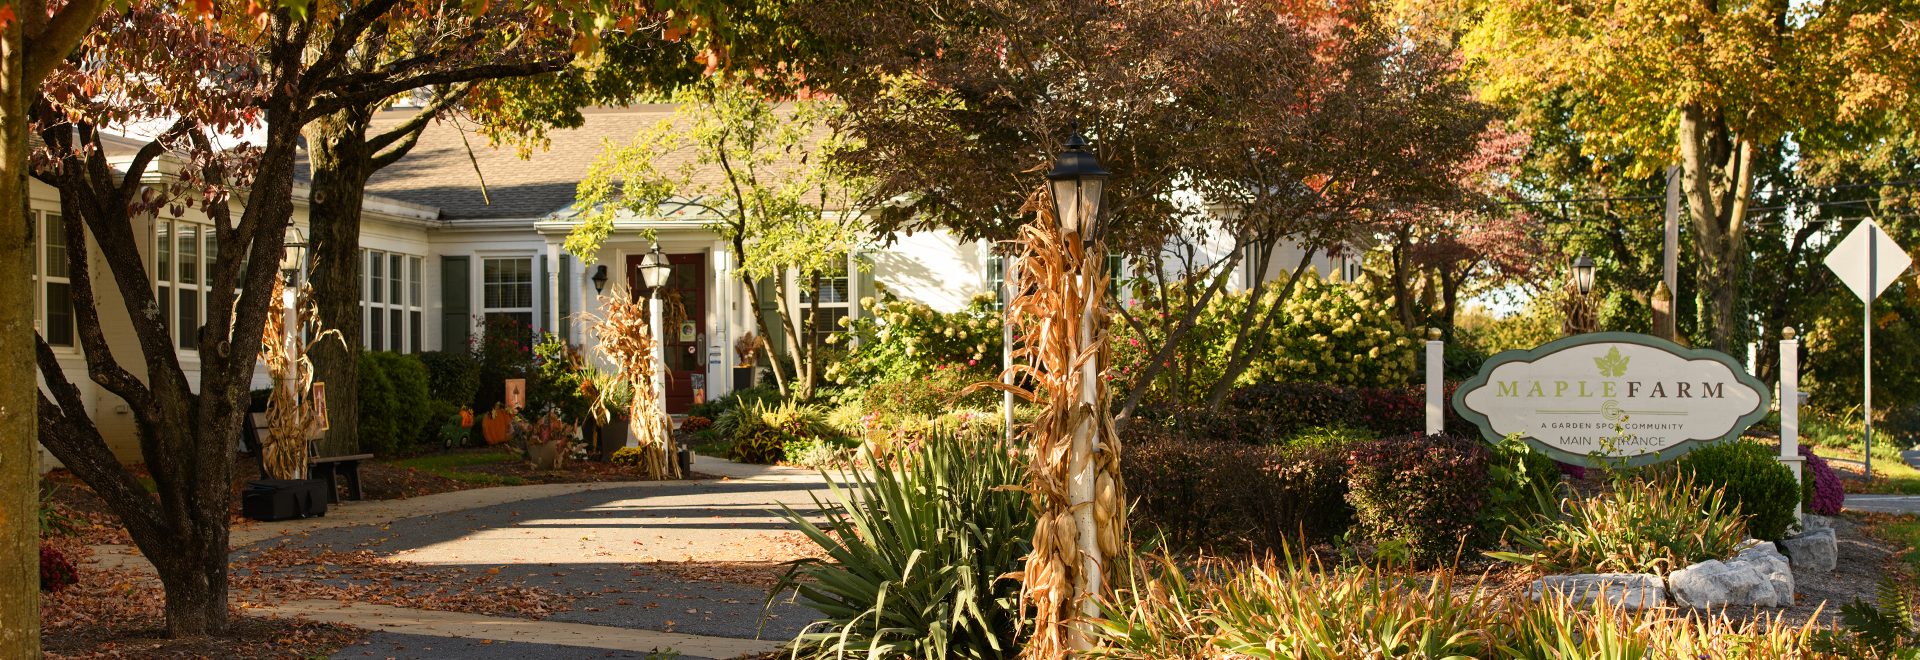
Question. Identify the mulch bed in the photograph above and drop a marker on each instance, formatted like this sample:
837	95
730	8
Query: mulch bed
382	480
119	613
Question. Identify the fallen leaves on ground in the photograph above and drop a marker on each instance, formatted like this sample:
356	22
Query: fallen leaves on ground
282	573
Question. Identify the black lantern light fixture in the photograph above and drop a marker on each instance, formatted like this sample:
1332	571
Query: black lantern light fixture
654	269
1583	274
293	257
600	279
1077	182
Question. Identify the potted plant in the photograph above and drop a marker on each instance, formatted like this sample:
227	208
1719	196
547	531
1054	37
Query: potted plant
546	441
613	398
746	352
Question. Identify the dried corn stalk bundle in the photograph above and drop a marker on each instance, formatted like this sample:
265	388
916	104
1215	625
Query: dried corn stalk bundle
625	341
291	414
1081	526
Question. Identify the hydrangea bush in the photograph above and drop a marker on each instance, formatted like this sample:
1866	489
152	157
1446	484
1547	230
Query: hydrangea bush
898	340
1328	332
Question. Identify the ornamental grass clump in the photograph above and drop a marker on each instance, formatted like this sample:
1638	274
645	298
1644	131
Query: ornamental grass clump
1297	609
916	549
1641	526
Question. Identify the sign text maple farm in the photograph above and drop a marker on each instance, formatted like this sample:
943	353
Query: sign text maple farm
1613	397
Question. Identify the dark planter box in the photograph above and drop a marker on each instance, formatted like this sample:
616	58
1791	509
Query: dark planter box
612	436
742	378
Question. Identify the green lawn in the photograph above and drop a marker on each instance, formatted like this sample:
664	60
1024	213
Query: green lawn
1890	474
448	465
1903	531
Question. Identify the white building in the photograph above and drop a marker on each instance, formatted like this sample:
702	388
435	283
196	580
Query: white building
444	251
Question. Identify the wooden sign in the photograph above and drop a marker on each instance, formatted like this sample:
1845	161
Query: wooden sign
516	393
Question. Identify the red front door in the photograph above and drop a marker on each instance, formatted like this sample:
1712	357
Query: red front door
683	323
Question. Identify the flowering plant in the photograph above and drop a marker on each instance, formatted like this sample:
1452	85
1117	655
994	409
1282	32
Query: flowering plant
900	340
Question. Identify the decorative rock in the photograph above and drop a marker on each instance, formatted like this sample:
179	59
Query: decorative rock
1816	550
1715	584
1766	559
1633	591
1816	522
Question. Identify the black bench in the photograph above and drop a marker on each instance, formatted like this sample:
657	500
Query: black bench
330	469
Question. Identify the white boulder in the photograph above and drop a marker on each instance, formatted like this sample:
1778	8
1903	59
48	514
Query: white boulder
1633	591
1816	550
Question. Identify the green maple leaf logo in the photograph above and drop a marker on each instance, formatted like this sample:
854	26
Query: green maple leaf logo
1613	364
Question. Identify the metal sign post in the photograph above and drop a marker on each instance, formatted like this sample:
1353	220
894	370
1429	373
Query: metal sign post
1867	260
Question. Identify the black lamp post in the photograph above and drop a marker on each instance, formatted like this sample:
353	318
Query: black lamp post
654	271
1583	274
1077	182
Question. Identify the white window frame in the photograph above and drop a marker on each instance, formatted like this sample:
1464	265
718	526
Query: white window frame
389	293
484	309
801	300
44	225
167	280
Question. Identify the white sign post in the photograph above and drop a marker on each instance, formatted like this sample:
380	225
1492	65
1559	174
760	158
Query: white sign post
1867	261
1790	406
1436	365
1611	398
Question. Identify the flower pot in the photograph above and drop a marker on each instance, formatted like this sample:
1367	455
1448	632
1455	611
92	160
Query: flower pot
497	427
547	455
742	378
613	435
685	458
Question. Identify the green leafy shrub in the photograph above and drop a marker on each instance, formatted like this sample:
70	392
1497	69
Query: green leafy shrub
378	432
1641	526
1755	482
502	350
1521	486
725	411
933	392
915	554
900	340
560	382
395	409
1422	494
1226	495
816	454
1334	333
452	377
1339	435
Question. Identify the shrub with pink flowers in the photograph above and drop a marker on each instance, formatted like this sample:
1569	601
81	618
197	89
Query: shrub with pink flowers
56	571
1820	485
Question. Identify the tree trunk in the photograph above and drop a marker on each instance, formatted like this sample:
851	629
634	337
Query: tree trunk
1716	176
342	162
1241	357
19	439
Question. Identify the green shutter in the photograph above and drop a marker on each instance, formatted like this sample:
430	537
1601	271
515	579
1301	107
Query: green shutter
770	312
546	296
456	303
566	295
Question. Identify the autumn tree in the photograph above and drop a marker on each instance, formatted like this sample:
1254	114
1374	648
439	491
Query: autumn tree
765	175
1706	85
34	37
1248	126
277	70
464	62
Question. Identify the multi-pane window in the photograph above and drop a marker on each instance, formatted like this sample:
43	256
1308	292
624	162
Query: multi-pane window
836	300
184	255
997	280
392	302
506	289
53	292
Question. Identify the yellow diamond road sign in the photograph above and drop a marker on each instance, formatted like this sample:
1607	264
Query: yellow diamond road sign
1866	244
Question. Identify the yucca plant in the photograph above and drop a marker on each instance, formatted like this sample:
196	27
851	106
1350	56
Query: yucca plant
1641	526
916	552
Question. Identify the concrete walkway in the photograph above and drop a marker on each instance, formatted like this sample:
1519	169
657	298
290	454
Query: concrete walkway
510	634
648	563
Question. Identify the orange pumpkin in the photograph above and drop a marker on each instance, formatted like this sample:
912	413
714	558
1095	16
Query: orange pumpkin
497	427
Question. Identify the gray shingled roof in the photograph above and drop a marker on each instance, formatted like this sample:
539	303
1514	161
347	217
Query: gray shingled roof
438	173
